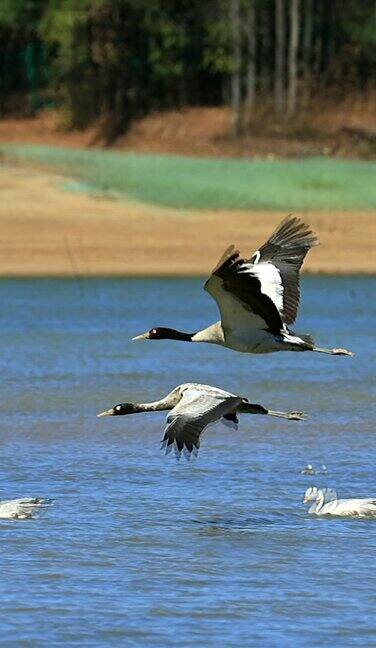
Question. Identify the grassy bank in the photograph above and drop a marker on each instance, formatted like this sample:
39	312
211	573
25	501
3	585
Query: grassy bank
197	183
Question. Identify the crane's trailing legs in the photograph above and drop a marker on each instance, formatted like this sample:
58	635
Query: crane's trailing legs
251	408
334	351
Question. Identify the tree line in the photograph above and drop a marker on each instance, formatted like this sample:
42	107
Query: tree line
121	59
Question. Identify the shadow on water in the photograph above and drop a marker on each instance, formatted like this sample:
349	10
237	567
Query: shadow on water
218	525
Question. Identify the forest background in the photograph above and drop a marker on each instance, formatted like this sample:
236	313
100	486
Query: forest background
122	59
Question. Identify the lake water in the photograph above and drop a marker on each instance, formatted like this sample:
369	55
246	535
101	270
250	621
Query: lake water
140	550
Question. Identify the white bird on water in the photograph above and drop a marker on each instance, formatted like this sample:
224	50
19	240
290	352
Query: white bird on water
22	508
326	502
257	297
194	407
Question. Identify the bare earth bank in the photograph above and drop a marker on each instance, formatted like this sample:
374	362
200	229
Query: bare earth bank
48	231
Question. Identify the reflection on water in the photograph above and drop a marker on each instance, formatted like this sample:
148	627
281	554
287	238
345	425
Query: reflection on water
142	550
239	524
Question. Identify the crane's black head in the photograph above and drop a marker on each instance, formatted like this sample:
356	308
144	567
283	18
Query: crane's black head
119	410
162	333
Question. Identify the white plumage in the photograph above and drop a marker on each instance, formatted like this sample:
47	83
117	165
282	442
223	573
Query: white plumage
326	502
270	281
22	508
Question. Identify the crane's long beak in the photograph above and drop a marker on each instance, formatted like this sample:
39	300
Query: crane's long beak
109	412
143	336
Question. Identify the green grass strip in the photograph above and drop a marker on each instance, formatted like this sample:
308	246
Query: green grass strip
206	183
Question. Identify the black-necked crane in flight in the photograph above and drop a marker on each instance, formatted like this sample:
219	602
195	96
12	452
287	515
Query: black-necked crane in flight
192	408
258	298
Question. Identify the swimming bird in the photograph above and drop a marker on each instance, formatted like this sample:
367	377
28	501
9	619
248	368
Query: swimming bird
22	508
258	298
308	470
326	502
194	407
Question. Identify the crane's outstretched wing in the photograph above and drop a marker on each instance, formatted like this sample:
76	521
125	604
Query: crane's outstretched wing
245	300
196	410
262	292
285	250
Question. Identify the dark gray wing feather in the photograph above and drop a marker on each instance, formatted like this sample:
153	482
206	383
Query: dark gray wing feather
246	288
186	422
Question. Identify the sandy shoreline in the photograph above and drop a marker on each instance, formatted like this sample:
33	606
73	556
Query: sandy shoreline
47	231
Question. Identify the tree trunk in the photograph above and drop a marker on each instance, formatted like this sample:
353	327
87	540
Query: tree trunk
307	47
330	49
293	62
235	26
251	63
264	48
280	45
318	55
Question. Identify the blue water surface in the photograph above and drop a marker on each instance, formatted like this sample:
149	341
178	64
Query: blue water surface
140	550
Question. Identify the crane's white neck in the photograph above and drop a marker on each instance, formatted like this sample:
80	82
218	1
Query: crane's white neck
212	334
166	403
155	406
